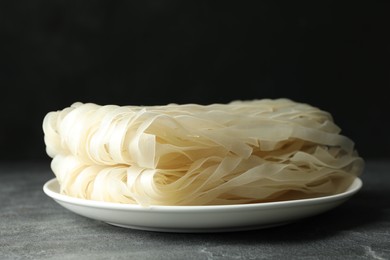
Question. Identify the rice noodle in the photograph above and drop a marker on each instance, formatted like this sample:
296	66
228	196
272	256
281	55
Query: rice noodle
241	152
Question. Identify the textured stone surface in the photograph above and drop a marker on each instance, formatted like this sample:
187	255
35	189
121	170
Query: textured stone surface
33	226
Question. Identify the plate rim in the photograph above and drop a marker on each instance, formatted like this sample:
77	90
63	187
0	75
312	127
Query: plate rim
355	186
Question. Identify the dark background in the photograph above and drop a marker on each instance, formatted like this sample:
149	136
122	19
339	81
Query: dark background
329	54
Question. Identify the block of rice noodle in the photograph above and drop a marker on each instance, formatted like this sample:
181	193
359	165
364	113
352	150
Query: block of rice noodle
241	152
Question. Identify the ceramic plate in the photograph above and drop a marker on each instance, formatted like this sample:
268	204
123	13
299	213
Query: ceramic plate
220	218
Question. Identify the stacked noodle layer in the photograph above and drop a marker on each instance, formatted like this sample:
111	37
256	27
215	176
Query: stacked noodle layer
241	152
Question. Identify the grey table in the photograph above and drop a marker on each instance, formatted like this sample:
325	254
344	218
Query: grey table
33	226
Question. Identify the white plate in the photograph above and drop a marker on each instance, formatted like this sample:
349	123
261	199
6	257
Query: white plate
220	218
